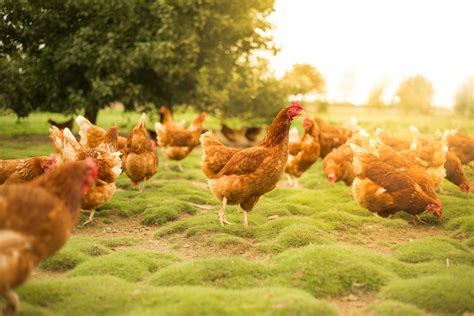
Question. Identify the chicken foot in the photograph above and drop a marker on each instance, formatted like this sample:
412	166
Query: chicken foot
222	219
12	303
91	218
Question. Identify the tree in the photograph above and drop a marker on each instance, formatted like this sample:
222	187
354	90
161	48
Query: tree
375	98
66	56
415	94
253	94
464	101
304	79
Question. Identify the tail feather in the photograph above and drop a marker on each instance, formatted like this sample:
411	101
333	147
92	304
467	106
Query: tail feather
209	139
84	126
141	122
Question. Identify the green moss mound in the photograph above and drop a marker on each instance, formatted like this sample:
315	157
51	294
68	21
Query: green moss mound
434	248
332	270
450	292
106	295
226	272
77	250
295	236
394	308
130	265
226	241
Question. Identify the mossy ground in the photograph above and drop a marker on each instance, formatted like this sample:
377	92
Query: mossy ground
308	251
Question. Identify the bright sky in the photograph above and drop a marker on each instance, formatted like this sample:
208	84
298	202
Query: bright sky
357	44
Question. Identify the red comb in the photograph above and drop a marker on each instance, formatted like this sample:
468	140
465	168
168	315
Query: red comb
296	104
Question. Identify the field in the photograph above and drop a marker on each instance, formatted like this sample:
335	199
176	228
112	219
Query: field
307	251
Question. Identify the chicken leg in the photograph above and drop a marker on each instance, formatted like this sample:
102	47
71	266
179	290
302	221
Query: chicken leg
290	182
91	218
246	221
12	303
180	167
222	219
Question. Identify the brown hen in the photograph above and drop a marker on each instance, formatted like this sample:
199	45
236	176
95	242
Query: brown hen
242	176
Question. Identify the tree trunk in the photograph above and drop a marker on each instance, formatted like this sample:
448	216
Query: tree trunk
91	113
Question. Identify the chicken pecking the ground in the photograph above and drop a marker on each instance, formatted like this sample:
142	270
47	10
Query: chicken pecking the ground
24	170
242	176
331	137
428	153
306	156
337	165
382	189
178	142
454	169
67	149
93	136
36	220
388	139
140	159
461	144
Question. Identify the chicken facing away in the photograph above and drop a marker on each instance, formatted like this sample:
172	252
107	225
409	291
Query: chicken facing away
178	142
331	137
93	136
108	162
36	220
301	160
461	144
382	189
140	159
24	170
242	176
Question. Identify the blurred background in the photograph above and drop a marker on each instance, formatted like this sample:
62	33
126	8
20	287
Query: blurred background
240	61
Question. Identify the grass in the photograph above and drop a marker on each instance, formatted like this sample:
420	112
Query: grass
163	251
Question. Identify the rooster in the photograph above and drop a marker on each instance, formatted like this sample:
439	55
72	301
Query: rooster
36	219
242	176
93	136
300	161
177	142
67	149
24	170
384	190
140	159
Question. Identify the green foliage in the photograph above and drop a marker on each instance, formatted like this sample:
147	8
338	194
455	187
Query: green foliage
67	56
464	103
303	79
415	94
449	292
375	98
